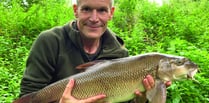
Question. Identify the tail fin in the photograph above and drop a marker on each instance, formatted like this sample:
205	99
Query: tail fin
25	99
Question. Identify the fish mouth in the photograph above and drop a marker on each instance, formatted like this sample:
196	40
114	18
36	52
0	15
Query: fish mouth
191	73
186	75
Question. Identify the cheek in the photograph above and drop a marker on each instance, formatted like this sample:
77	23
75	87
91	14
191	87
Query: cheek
104	22
105	18
180	70
82	18
165	65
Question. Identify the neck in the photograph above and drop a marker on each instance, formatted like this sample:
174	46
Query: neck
91	46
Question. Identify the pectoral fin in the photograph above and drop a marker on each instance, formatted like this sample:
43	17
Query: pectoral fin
158	93
28	98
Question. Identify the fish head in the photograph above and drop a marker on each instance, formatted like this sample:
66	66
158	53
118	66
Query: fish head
176	68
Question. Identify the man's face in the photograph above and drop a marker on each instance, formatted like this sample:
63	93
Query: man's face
92	17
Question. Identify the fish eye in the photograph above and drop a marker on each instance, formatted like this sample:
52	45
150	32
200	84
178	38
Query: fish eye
179	61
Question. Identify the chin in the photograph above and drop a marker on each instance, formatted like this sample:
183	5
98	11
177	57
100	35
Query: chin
93	33
93	36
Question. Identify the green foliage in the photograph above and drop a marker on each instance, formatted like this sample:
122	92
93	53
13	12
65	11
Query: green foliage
180	27
126	14
12	59
18	28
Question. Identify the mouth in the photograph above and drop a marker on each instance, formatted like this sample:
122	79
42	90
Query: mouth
93	25
186	74
191	73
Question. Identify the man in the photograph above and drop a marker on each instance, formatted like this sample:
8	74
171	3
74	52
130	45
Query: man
56	52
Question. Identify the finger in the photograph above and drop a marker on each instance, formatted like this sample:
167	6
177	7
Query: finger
146	84
94	98
168	83
138	93
150	80
69	88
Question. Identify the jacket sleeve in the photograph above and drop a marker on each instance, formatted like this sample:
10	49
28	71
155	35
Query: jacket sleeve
40	65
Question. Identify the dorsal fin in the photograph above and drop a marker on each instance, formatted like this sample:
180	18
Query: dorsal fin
84	66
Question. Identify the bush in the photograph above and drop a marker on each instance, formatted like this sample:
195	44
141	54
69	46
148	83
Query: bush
179	27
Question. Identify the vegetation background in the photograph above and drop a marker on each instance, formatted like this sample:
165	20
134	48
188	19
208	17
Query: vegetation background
179	27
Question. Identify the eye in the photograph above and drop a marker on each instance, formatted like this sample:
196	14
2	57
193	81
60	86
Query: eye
179	62
86	9
102	10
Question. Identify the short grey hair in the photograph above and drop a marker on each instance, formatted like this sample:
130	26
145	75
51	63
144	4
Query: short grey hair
76	2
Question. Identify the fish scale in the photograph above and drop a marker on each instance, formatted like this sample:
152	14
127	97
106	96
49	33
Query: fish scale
133	75
119	78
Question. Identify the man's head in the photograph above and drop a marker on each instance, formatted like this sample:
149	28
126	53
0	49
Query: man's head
112	2
93	16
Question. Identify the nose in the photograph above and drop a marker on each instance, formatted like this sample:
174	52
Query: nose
191	64
94	16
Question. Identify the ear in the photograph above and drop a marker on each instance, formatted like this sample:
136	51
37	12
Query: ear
112	12
75	10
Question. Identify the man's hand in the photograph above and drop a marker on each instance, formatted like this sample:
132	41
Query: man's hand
68	98
149	83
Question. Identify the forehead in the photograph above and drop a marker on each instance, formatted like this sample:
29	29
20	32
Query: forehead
95	3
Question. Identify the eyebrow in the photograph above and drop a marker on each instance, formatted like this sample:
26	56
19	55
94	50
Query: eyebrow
86	6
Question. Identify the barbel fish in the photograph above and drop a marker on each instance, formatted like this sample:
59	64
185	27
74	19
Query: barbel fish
119	78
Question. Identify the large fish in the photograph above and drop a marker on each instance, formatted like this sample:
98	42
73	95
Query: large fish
119	78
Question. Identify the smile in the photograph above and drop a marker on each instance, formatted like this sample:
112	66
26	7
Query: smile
94	26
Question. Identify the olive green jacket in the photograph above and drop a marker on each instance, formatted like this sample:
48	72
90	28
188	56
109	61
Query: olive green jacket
56	52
